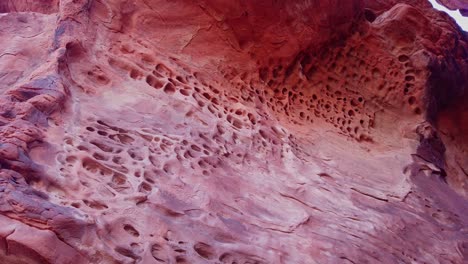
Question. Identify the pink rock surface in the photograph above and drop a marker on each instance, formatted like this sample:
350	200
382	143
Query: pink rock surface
153	131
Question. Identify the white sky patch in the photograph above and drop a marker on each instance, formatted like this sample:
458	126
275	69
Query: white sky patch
461	20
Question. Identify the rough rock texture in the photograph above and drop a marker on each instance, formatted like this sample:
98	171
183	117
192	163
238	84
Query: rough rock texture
215	131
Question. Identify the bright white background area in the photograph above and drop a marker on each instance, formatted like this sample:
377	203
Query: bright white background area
461	20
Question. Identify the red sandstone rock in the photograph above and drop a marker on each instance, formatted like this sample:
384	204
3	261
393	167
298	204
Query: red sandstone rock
462	5
211	131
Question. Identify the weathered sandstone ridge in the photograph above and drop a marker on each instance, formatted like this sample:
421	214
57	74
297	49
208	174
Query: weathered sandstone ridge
216	131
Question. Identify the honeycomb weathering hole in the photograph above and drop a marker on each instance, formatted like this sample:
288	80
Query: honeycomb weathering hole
204	250
369	15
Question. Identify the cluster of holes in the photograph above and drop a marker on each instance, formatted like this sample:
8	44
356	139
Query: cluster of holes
341	86
205	96
170	251
106	152
409	84
165	250
324	88
177	251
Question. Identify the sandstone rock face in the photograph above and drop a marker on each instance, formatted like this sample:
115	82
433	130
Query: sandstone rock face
214	131
462	5
40	6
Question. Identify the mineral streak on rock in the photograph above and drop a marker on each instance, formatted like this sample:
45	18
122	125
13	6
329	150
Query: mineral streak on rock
215	131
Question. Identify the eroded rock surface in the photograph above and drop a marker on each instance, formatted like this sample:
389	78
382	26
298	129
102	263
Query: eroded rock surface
153	131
